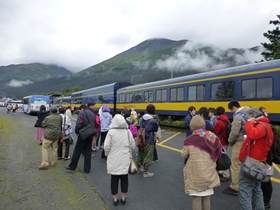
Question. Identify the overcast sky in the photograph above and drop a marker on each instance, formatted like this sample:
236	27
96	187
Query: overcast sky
77	34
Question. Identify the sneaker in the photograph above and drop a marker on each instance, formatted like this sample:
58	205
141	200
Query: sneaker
224	179
68	158
230	191
267	206
92	155
94	150
59	158
148	174
140	170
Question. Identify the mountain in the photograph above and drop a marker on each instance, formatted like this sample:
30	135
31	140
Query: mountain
153	59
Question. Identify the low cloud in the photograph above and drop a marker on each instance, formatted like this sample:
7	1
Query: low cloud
17	83
202	57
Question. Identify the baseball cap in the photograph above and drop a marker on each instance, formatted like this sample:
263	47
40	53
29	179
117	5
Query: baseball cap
54	109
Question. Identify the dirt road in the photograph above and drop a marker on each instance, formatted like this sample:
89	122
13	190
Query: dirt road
23	186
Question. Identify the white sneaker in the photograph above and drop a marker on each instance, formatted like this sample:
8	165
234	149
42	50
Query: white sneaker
148	174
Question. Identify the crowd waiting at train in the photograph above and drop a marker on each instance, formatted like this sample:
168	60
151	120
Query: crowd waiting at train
246	129
207	127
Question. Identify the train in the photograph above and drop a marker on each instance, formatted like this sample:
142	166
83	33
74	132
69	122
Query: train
252	85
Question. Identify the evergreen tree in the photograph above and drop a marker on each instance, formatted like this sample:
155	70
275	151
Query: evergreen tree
272	49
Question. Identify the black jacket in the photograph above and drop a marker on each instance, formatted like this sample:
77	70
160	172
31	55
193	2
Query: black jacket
41	117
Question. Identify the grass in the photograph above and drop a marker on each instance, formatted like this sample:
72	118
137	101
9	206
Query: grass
173	123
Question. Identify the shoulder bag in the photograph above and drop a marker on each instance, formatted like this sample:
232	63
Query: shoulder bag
88	130
223	162
257	170
132	169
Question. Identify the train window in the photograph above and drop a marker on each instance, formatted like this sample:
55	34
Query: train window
161	95
138	96
122	98
176	94
222	90
129	97
196	92
257	88
264	87
148	96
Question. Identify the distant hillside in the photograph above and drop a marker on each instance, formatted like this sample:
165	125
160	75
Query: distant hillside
153	59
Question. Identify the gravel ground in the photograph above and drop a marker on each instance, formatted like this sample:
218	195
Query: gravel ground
23	186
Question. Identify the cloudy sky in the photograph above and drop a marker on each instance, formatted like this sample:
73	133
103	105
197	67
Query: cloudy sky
77	34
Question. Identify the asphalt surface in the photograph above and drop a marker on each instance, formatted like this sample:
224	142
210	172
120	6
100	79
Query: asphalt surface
164	191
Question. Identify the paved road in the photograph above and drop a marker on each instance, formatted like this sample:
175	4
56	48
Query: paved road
164	191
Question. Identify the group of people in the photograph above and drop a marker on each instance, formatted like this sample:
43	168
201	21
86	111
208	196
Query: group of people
12	108
207	136
117	136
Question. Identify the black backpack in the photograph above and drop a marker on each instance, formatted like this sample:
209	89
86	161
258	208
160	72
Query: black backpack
274	153
275	147
228	129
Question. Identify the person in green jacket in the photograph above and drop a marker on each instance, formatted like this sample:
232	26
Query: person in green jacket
52	125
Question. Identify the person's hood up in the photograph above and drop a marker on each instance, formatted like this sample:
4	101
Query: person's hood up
147	117
105	114
118	121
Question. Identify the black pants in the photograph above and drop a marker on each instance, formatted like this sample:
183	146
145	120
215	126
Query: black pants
155	153
267	188
115	183
82	146
60	148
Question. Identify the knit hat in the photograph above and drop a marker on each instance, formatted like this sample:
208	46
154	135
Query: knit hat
197	122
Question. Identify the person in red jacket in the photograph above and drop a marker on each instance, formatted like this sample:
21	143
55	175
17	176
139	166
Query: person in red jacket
220	130
250	192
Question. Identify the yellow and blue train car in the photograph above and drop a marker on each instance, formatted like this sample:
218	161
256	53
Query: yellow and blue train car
252	85
63	101
106	94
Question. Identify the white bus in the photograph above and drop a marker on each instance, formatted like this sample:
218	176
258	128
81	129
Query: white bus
32	104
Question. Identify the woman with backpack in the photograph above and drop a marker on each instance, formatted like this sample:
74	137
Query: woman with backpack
220	129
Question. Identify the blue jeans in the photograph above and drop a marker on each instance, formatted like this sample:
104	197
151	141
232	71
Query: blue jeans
249	192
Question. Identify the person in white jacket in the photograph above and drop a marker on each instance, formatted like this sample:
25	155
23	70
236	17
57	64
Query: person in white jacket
116	148
66	125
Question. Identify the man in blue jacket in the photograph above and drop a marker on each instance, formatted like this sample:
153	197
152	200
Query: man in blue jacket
192	112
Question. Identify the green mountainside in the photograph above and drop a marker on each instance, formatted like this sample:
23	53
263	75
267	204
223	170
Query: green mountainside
153	59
